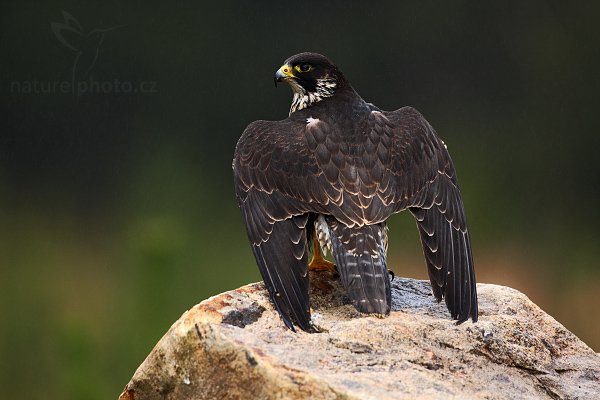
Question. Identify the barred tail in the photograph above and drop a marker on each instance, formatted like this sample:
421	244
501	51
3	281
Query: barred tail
359	253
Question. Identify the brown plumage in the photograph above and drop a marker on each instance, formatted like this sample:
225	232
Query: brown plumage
354	165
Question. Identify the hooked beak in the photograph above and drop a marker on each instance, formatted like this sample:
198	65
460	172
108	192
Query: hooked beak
283	73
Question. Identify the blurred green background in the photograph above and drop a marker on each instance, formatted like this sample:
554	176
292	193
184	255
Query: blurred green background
117	210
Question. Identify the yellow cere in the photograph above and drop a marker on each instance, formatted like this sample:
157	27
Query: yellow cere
287	70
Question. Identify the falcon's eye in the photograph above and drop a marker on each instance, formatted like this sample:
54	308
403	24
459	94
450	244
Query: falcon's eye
303	67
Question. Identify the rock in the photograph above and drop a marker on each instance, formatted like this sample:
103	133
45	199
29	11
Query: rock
234	345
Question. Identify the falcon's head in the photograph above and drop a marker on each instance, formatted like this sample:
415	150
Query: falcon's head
312	76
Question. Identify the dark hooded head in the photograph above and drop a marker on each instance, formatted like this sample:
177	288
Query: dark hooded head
312	77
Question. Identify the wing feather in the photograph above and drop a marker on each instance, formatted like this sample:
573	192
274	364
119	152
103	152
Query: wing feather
424	180
282	261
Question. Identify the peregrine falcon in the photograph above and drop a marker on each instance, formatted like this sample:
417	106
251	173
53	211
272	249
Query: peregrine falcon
329	176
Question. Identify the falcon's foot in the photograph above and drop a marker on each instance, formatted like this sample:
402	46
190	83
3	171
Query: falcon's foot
318	263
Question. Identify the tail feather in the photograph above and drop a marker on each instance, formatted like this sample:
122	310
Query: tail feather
359	254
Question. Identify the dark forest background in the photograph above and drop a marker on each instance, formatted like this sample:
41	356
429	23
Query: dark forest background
118	126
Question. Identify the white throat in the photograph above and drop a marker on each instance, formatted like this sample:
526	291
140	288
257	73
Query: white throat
303	99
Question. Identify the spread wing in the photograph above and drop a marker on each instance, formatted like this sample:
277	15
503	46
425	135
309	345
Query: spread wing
424	180
274	175
290	170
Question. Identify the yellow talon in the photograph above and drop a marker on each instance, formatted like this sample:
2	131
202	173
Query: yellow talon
318	263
